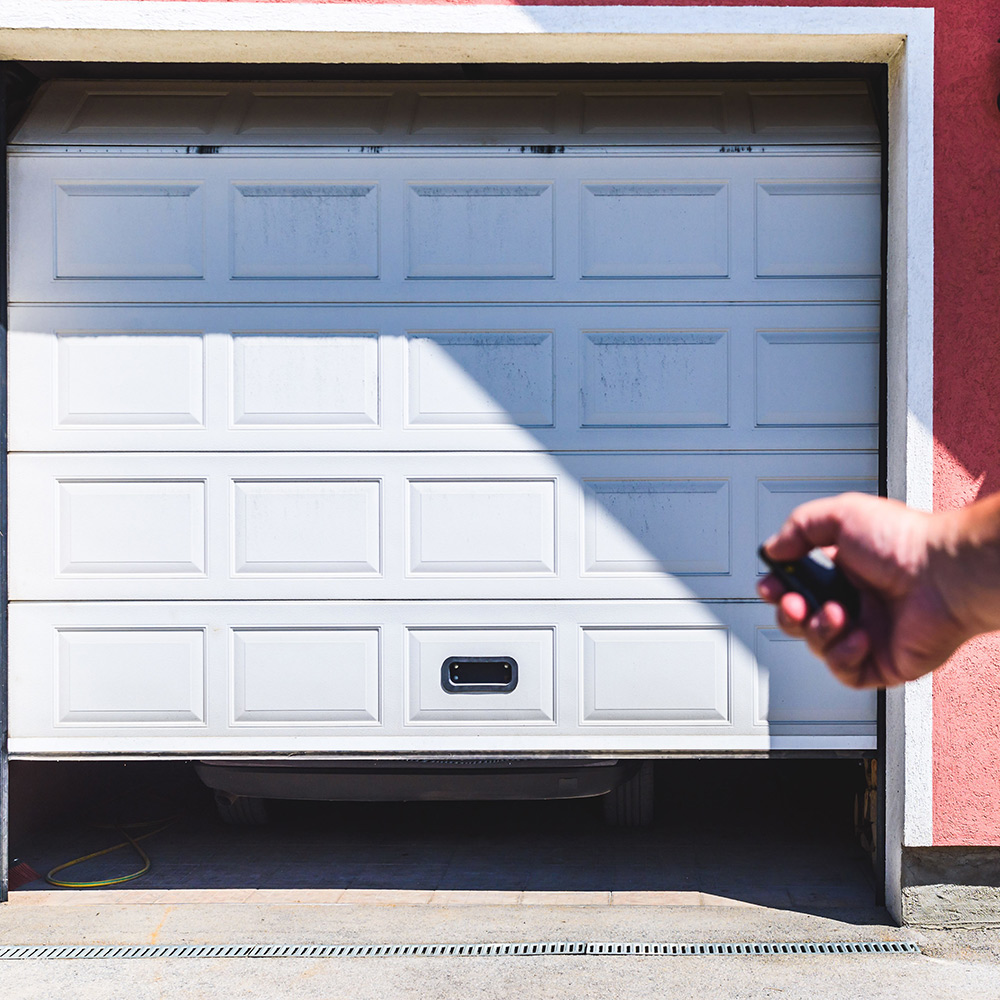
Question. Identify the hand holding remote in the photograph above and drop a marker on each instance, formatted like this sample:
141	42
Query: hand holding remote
818	579
926	583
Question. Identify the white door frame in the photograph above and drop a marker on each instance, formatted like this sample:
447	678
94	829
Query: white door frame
900	37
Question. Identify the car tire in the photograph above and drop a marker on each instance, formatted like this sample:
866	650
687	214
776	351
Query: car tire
631	803
240	810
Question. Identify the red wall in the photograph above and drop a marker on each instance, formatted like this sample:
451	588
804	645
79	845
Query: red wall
967	369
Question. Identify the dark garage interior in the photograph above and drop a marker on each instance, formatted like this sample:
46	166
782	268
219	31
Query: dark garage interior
779	833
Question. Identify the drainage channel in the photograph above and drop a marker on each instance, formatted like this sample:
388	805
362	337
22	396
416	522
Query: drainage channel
17	952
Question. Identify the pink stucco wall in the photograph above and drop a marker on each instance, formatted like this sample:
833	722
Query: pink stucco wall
966	396
967	368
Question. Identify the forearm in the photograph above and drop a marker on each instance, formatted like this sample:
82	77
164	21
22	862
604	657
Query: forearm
965	558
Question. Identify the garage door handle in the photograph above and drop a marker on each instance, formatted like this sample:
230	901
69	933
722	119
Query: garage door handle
479	674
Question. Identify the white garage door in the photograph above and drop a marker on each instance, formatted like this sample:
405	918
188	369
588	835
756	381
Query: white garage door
348	418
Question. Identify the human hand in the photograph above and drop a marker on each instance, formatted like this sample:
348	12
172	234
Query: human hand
915	607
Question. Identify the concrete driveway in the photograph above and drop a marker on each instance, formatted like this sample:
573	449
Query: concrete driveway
952	965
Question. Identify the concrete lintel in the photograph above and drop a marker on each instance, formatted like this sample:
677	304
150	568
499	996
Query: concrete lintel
331	47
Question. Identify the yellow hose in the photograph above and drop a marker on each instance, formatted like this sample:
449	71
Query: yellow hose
129	840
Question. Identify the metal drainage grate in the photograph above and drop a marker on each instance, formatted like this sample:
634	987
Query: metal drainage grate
14	952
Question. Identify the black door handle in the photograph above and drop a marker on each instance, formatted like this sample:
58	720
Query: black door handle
479	674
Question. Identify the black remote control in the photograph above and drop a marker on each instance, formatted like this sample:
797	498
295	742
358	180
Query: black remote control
817	579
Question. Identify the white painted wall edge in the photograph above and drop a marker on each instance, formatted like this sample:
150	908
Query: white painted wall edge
259	15
909	710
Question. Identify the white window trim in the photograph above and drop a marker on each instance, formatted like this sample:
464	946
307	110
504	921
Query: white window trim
902	37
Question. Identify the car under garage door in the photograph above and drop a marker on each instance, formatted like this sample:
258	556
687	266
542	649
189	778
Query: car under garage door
431	419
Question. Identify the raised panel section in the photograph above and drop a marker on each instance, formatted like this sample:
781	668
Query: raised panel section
150	113
657	526
128	230
494	114
654	378
532	700
415	527
818	229
655	230
461	112
301	676
637	675
622	676
664	113
289	113
487	377
131	528
305	378
503	378
304	528
478	230
789	113
777	498
817	377
305	230
130	379
793	687
490	527
131	676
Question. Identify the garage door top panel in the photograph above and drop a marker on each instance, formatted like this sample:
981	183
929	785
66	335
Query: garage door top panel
452	113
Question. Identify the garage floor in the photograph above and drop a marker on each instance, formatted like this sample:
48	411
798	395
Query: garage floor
772	833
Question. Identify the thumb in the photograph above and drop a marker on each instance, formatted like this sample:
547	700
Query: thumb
814	524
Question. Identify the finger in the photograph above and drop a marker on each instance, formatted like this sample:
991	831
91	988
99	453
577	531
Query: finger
813	524
851	662
792	614
770	589
826	626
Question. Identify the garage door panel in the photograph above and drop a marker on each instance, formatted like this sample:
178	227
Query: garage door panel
256	677
654	378
527	654
156	113
303	377
290	528
648	676
305	230
644	526
397	227
790	213
610	114
387	525
480	230
655	230
768	377
130	378
481	377
784	702
108	231
129	529
809	377
778	496
305	676
509	113
132	677
488	527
